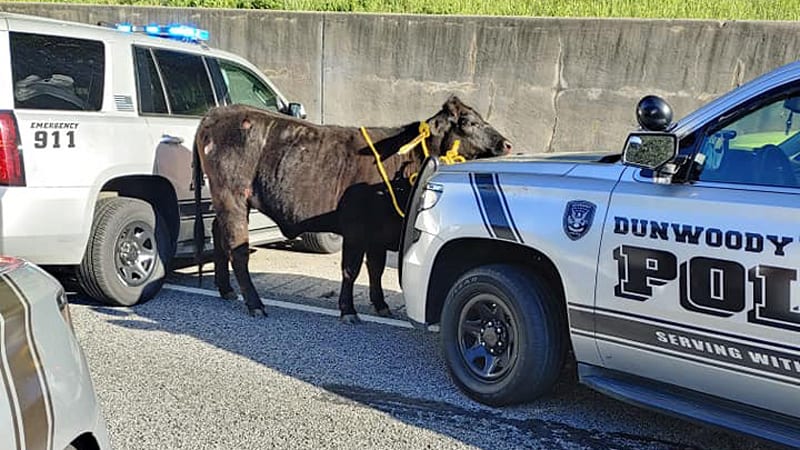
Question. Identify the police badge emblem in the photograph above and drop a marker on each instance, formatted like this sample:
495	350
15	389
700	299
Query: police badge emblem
578	217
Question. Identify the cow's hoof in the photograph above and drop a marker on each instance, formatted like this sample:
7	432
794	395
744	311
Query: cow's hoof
230	295
350	319
257	311
385	312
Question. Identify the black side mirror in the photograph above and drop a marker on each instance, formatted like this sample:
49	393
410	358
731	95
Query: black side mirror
792	104
297	110
653	113
650	150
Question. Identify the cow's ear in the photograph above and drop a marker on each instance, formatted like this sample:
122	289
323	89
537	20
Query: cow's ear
452	106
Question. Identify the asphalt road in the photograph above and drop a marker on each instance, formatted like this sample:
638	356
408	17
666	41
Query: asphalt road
188	370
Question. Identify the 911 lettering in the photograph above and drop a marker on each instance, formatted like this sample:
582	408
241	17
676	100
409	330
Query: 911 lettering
709	285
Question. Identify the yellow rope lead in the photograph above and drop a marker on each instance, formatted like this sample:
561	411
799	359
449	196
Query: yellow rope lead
424	133
451	157
382	171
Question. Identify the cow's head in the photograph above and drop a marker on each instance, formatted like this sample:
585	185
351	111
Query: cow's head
457	121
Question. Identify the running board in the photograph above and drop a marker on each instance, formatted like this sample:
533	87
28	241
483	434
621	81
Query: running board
693	405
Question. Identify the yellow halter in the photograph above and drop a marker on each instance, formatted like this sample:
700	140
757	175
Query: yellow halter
451	157
424	133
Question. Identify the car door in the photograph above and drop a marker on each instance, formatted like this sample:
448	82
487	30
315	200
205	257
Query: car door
243	86
697	283
174	92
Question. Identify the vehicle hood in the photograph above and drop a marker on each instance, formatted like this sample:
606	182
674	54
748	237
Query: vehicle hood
545	163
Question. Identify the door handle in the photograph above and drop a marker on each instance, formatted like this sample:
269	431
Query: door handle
167	139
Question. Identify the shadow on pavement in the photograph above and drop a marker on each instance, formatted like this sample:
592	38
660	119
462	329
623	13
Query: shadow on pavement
392	370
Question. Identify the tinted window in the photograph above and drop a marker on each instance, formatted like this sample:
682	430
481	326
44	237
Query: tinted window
186	80
220	88
244	87
148	83
762	147
52	72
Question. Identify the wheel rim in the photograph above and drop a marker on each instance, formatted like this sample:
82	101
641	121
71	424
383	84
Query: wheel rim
487	337
135	253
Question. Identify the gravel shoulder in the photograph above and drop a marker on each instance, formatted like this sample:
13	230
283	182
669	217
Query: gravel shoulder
280	271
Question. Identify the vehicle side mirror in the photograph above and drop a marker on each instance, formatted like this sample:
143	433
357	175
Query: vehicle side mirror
297	110
792	104
650	150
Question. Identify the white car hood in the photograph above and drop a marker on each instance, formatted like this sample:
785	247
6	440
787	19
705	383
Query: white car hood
557	164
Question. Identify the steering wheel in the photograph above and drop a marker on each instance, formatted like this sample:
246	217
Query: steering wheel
773	167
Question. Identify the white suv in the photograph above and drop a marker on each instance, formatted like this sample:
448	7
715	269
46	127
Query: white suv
96	132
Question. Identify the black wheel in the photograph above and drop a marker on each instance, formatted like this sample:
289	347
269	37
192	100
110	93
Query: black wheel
128	251
321	242
502	335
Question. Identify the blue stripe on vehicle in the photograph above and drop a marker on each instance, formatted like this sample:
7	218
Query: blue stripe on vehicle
706	361
508	210
708	347
687	326
480	205
493	206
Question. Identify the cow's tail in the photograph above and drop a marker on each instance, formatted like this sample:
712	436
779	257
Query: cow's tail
199	226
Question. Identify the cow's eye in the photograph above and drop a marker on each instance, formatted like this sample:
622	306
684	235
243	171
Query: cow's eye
464	122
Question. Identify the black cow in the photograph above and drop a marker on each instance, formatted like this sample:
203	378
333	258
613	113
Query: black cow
315	178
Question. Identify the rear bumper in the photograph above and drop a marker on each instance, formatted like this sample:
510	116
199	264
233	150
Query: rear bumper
45	225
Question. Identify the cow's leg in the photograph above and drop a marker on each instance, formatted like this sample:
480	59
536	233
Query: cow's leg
232	215
376	263
241	256
222	276
352	258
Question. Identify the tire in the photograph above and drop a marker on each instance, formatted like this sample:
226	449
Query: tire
529	348
125	231
321	242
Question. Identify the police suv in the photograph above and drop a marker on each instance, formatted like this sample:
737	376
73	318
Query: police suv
96	132
47	400
670	272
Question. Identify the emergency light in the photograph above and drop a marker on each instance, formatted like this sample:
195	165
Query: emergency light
178	32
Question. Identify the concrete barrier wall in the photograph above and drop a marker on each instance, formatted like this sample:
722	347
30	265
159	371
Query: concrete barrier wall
547	84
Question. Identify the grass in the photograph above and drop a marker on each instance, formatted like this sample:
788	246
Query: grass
688	9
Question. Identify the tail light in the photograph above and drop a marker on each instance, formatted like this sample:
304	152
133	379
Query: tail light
12	172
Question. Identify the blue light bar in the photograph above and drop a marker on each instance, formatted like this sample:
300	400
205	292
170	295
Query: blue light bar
181	31
178	32
201	35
